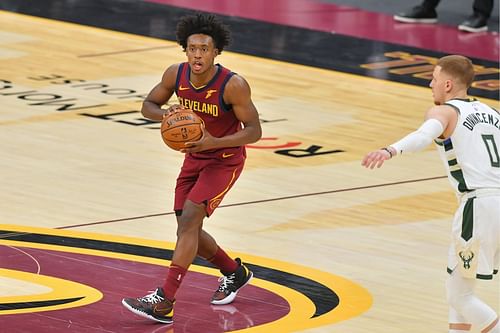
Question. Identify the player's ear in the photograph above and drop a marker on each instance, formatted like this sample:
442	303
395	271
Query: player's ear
448	85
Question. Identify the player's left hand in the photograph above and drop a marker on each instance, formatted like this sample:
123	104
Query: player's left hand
206	142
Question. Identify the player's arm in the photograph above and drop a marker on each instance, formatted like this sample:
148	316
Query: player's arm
237	93
440	122
160	94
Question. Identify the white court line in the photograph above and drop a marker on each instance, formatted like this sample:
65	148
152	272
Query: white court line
29	255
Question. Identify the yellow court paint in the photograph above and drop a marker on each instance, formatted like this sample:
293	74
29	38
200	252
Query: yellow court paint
60	289
354	299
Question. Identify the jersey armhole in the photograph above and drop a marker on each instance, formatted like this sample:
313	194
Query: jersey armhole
454	107
180	70
494	109
439	140
226	107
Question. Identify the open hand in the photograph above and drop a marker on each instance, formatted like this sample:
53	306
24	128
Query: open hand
375	158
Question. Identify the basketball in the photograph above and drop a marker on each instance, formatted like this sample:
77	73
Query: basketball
180	127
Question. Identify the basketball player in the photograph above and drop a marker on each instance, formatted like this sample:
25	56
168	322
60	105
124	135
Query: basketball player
467	134
211	165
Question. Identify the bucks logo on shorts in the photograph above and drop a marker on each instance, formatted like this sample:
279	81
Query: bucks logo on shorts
466	257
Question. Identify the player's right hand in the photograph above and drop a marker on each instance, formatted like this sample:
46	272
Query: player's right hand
375	159
172	109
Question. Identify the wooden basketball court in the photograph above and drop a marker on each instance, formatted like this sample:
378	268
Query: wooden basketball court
79	161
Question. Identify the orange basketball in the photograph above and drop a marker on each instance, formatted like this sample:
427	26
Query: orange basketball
180	127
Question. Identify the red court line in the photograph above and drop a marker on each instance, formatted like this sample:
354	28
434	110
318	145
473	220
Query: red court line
350	21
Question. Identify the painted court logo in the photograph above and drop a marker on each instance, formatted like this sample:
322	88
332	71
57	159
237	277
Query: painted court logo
87	274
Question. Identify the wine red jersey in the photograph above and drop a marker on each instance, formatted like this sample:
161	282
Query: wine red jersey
209	105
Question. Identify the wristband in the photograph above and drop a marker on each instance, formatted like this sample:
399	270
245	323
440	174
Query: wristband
387	150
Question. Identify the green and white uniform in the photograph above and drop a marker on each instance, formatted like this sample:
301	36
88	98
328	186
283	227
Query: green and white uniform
472	159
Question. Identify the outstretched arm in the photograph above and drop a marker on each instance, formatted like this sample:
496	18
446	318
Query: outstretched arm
440	122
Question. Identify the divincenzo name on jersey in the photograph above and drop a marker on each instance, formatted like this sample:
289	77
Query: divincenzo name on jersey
481	118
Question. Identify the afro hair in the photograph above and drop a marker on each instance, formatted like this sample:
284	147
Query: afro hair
206	24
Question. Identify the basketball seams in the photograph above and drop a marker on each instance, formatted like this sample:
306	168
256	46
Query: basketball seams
182	125
185	125
175	134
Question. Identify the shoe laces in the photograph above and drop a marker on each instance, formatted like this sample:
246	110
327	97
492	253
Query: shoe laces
226	281
152	298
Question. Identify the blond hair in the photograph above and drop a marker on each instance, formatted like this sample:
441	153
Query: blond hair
459	67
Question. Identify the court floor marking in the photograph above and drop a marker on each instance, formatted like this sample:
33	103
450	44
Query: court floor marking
295	196
354	299
127	51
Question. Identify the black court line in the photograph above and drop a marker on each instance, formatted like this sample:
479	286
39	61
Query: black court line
36	304
258	201
127	51
323	298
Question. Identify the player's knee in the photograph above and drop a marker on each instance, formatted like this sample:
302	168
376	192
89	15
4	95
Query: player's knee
186	224
459	291
454	300
457	297
190	220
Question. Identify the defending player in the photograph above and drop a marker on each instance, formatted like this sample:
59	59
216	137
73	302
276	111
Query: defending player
467	133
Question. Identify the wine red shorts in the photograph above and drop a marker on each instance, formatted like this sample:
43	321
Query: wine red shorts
207	181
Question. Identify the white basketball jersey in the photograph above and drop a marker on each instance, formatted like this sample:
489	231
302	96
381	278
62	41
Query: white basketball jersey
472	153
